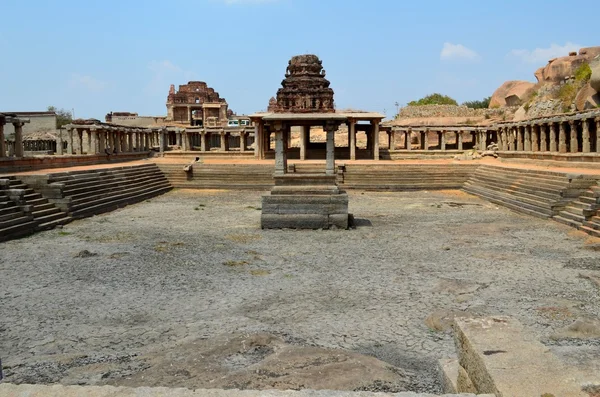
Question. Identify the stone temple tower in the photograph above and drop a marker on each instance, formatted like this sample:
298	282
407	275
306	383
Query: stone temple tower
304	89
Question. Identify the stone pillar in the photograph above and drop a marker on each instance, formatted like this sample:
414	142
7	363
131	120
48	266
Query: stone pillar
425	140
304	133
94	141
243	141
330	152
543	139
392	140
443	140
562	138
178	138
407	139
79	141
553	138
2	142
18	138
527	138
203	141
519	139
585	131
375	139
483	140
161	142
222	140
535	142
280	152
257	139
352	127
459	137
59	142
574	141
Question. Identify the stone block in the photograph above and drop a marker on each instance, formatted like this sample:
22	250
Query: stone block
449	374
294	221
320	209
339	220
500	357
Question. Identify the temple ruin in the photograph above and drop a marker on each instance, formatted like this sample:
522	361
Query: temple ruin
197	104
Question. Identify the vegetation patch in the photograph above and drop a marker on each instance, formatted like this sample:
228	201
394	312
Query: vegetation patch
434	99
566	95
583	73
482	104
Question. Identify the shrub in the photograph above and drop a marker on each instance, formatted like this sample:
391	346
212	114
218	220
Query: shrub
434	99
583	73
482	104
566	95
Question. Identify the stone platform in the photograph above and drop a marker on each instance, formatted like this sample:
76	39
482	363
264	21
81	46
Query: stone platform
305	201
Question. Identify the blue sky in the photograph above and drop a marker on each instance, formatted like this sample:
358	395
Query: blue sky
100	56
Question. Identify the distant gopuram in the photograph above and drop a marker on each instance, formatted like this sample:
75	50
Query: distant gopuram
304	89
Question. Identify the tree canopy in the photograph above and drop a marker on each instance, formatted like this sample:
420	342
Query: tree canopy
434	99
63	117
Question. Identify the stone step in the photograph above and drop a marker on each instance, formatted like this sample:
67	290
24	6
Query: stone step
9	210
51	221
105	206
567	221
593	223
529	200
528	187
74	187
15	221
81	203
517	190
506	201
591	231
526	181
44	212
92	176
522	171
18	230
79	193
9	216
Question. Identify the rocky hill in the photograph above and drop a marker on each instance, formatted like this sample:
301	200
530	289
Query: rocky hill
565	84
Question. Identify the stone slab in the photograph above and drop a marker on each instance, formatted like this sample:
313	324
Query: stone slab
10	390
304	179
448	368
294	221
502	358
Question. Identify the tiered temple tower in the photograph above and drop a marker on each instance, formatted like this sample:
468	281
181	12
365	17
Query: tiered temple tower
304	89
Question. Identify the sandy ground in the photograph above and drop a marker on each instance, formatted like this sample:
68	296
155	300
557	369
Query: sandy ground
165	279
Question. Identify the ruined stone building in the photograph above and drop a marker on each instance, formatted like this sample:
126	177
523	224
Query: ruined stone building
197	104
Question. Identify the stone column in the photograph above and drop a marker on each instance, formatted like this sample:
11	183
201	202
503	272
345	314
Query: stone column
535	143
392	142
330	153
2	142
585	131
59	142
352	127
280	152
562	138
553	138
203	141
459	137
443	140
426	140
242	141
257	139
304	131
178	138
519	139
226	139
409	139
18	138
94	141
161	142
375	140
543	139
483	140
574	141
527	143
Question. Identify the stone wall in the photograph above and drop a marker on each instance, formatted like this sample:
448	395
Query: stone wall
411	112
38	122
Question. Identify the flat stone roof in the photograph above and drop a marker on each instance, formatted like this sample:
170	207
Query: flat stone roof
341	116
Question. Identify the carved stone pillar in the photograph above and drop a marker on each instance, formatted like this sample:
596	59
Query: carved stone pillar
553	138
242	141
585	131
527	143
543	139
562	138
392	140
304	136
257	139
409	139
574	146
352	128
535	142
222	140
519	139
425	140
443	140
330	130
280	150
203	141
18	138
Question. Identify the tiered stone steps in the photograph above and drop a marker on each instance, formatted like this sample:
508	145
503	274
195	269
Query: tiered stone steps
220	176
539	193
96	191
592	225
45	214
14	222
407	176
579	211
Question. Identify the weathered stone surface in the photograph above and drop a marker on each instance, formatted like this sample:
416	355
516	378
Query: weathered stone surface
583	328
560	68
294	221
595	79
339	221
449	374
500	357
587	98
515	88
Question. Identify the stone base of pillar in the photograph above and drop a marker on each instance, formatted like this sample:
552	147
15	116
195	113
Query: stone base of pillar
305	201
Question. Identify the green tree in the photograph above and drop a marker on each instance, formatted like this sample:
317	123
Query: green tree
482	104
434	99
63	117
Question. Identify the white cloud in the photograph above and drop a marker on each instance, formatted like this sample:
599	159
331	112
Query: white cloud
457	51
543	55
87	82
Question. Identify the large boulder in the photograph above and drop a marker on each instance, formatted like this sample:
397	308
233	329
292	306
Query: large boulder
587	98
516	91
595	79
560	68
